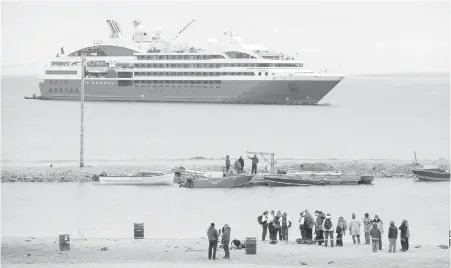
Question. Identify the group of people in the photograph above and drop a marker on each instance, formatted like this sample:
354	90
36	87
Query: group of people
213	240
321	223
238	166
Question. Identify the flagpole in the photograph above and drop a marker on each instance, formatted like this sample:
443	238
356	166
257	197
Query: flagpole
82	95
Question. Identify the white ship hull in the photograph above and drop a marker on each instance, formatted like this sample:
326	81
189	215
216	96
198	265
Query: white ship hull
164	179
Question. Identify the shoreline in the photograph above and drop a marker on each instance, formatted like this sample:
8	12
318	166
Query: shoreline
44	251
72	173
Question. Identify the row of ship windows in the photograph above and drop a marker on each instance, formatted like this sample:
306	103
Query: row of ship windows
193	73
180	57
63	90
208	65
177	82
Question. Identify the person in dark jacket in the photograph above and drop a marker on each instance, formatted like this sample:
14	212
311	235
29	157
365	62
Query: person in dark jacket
226	240
241	160
319	231
212	235
392	236
265	225
376	236
254	164
227	163
405	234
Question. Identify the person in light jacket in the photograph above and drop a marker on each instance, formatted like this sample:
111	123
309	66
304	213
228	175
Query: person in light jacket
226	240
354	229
380	226
237	167
265	225
328	228
392	236
302	226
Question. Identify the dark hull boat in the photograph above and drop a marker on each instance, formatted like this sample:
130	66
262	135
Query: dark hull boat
317	179
224	182
284	180
366	179
432	174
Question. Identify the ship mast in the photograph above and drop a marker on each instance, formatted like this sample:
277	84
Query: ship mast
82	100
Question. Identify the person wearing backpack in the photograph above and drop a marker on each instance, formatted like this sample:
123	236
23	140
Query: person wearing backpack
341	231
263	220
328	228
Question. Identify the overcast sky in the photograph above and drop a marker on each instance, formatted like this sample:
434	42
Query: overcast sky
352	37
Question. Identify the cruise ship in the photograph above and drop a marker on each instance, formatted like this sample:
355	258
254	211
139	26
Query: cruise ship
146	68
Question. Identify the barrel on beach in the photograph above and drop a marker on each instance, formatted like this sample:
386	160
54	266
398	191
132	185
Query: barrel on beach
251	245
139	230
64	242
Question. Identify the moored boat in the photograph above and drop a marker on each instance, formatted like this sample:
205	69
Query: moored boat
287	180
141	178
366	179
223	182
431	174
334	178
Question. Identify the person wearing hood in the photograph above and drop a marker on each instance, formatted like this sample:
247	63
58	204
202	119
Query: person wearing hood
380	226
376	236
226	240
237	166
265	225
308	226
271	225
302	226
392	236
277	226
328	228
405	234
367	228
319	231
342	226
354	229
212	235
241	160
285	225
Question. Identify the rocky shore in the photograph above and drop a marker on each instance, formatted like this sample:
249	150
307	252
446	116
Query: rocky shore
68	174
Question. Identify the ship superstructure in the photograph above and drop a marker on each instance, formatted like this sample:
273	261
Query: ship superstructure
147	68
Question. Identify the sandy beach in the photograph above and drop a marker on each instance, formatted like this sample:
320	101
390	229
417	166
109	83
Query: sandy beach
43	252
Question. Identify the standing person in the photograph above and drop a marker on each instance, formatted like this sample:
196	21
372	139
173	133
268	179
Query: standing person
212	235
341	230
367	228
226	240
271	226
227	164
277	226
241	160
392	236
265	225
328	228
285	225
354	229
380	226
302	226
237	167
319	228
254	163
308	226
405	234
376	236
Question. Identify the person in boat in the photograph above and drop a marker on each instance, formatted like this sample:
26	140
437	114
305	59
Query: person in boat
354	229
341	231
265	225
319	231
226	240
241	160
367	228
302	226
271	225
227	164
308	226
237	167
328	228
254	163
380	226
277	225
405	234
213	236
285	225
376	236
392	237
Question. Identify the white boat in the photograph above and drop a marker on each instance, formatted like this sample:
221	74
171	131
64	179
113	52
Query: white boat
141	178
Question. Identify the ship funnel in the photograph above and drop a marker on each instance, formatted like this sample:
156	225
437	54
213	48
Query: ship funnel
136	23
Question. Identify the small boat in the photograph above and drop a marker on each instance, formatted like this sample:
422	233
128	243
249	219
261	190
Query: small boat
287	180
333	178
228	181
366	179
431	173
141	178
182	175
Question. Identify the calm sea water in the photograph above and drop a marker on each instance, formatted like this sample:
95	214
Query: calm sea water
90	210
384	117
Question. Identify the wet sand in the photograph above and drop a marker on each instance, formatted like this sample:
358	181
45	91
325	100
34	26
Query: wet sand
43	252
